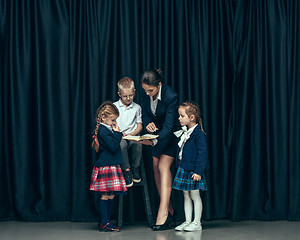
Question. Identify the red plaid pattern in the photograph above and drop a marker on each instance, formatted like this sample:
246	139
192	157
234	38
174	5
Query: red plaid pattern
108	179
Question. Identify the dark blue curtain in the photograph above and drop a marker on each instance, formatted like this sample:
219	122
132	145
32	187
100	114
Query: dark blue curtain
239	60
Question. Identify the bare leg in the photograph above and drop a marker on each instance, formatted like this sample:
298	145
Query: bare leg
156	174
164	186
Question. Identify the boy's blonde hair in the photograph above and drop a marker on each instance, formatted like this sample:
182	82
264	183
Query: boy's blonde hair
125	83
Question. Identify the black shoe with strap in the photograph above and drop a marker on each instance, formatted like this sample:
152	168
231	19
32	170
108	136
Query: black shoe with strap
108	227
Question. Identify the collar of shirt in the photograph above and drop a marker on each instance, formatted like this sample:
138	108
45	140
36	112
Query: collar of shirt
185	134
159	94
107	126
121	105
191	129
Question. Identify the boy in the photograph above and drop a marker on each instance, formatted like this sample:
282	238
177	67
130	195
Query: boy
130	123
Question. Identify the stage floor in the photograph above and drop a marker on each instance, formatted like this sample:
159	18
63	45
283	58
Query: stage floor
212	230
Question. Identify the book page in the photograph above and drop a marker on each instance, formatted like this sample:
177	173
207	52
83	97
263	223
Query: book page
149	136
135	138
139	138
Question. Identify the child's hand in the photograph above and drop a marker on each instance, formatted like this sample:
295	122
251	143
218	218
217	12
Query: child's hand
115	127
151	127
196	177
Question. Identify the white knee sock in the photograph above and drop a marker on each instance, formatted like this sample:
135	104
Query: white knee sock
195	196
188	206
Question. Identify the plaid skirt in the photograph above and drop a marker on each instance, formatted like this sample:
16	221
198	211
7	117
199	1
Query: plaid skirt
183	181
108	180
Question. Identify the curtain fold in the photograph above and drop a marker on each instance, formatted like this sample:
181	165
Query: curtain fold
35	113
238	60
293	76
261	117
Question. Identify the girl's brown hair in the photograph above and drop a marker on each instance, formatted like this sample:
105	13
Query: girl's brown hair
192	108
106	109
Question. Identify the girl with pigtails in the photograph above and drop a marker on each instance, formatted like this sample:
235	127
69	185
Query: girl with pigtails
192	162
107	177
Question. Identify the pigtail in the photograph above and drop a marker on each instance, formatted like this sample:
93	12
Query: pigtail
95	143
107	108
201	126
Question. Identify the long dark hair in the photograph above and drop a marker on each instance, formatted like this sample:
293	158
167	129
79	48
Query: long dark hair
152	77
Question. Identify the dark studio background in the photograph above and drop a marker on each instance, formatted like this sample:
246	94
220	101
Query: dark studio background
239	60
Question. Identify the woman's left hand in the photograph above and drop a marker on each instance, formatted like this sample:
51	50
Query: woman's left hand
196	177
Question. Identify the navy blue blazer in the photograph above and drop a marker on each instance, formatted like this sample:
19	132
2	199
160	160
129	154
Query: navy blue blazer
166	117
109	147
194	154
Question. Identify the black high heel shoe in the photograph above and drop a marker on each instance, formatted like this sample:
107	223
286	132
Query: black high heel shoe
165	226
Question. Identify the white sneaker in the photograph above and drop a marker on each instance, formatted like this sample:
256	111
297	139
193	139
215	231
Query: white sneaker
193	226
181	226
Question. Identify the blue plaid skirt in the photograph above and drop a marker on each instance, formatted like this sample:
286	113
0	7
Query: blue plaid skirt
183	181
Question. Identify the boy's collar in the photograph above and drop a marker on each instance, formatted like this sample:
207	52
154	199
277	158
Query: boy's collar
123	105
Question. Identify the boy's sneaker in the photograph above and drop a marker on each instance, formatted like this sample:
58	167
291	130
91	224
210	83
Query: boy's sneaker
128	178
136	175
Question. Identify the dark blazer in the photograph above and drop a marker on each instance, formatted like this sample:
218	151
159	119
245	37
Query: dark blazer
109	147
194	154
166	117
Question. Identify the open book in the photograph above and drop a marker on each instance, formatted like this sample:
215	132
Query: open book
139	138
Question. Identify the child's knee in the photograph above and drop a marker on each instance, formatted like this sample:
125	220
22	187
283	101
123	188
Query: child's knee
123	144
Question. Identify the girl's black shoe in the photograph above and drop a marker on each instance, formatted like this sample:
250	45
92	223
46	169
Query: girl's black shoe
165	226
